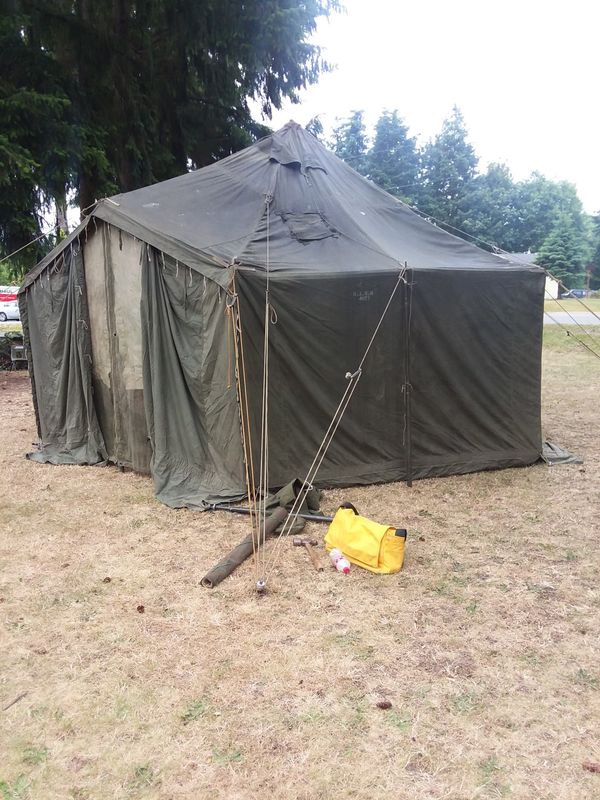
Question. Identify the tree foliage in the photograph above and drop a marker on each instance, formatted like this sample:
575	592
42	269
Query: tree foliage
35	135
449	166
562	252
594	264
350	141
315	126
98	96
542	203
393	160
490	207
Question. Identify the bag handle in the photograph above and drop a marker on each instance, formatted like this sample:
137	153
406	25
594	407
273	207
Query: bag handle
349	505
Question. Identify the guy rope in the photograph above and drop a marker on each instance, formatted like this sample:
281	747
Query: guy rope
264	564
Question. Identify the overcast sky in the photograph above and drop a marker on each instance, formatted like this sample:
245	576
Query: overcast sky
524	73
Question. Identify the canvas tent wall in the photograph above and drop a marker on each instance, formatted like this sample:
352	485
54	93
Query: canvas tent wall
145	371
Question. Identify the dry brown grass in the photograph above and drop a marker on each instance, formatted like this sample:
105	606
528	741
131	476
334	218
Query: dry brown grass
487	644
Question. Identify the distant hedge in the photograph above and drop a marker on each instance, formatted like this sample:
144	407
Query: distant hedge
7	339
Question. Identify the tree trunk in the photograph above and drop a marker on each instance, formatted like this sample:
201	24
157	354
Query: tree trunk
86	178
62	223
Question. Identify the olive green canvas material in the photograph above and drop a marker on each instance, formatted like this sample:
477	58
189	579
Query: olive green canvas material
137	366
56	325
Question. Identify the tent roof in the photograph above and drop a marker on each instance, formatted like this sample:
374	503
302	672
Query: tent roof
324	216
521	258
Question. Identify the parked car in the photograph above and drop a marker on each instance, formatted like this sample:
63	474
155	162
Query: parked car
9	310
575	293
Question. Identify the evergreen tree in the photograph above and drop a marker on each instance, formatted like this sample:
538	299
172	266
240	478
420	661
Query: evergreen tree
109	95
449	165
540	203
594	261
490	208
35	138
350	142
519	217
562	253
315	126
393	160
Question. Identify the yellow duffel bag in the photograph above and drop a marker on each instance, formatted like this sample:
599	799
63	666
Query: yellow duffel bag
378	548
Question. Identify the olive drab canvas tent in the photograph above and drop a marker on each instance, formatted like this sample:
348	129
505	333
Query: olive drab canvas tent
137	324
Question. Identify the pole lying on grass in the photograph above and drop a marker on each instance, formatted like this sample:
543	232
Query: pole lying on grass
242	551
247	546
246	511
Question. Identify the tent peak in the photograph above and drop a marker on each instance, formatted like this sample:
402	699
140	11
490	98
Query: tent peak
294	146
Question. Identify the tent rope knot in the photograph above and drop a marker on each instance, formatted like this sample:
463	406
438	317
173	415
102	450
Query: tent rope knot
231	299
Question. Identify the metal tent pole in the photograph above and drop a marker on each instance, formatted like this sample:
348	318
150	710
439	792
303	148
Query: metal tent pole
407	383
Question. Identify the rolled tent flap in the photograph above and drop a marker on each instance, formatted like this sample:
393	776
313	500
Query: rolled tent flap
242	551
189	386
55	320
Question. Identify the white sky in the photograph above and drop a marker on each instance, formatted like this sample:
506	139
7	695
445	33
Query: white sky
523	72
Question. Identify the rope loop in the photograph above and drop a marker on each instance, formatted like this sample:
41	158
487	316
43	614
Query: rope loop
231	299
351	375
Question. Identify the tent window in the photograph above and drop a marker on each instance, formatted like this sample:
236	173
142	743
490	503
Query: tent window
308	227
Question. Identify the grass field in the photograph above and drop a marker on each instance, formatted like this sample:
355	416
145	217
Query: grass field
571	305
120	677
11	325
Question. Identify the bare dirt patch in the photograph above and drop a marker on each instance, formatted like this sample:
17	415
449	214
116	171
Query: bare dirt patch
474	673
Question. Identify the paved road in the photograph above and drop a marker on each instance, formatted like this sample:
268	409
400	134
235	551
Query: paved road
562	317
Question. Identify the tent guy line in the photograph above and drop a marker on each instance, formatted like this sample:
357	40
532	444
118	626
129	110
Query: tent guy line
245	427
264	432
25	246
353	379
495	249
